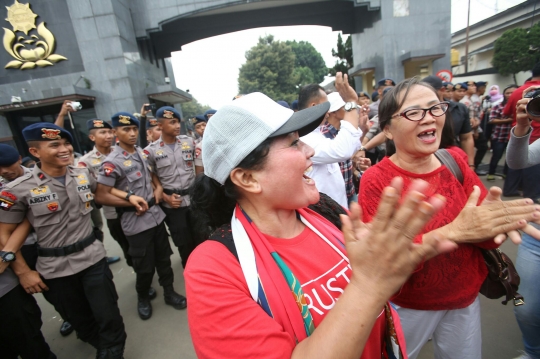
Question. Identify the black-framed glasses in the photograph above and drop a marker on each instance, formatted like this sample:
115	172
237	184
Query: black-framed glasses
417	114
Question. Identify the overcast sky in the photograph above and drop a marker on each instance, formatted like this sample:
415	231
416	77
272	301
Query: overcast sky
209	67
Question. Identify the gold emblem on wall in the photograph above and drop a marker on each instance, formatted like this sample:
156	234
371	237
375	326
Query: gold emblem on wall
30	51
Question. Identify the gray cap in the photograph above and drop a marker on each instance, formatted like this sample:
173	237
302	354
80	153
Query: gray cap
239	127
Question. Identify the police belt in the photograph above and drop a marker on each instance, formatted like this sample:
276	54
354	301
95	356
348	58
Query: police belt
181	192
67	250
121	210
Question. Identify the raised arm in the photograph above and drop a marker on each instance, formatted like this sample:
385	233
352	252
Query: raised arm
519	153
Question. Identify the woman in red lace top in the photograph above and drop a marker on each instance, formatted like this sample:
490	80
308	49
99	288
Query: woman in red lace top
440	299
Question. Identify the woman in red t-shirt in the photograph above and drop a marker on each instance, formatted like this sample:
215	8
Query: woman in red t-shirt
277	279
440	299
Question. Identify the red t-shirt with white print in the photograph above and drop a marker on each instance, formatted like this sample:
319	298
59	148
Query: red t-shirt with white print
224	320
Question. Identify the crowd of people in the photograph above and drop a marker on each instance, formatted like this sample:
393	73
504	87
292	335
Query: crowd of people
304	230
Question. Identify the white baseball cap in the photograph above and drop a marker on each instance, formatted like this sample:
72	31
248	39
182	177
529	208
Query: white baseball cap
336	102
239	127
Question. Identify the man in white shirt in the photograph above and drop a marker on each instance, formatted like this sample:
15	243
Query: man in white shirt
329	152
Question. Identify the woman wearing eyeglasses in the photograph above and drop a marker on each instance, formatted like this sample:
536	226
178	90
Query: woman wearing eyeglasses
440	299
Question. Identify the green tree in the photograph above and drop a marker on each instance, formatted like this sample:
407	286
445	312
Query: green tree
309	66
269	69
193	108
516	50
344	56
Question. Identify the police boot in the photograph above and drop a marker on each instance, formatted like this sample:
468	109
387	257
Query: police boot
172	298
144	308
116	352
152	294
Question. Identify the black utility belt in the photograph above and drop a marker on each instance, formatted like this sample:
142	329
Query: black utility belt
120	210
181	192
67	250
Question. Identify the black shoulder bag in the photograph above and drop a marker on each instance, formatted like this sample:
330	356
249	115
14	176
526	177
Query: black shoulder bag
503	278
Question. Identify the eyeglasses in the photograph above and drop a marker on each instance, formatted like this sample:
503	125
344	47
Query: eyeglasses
418	114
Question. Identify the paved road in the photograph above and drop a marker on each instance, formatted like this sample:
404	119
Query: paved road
166	334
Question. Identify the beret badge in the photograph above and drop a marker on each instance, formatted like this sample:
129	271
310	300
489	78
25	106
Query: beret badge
124	119
50	134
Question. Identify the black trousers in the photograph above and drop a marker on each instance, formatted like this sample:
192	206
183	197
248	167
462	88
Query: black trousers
178	222
88	300
20	327
150	251
481	145
115	228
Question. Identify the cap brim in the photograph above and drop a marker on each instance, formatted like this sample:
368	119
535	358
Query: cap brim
303	121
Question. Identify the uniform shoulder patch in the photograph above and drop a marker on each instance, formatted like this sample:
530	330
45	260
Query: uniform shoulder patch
82	164
6	204
108	168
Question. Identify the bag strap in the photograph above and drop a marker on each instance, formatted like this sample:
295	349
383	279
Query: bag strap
446	159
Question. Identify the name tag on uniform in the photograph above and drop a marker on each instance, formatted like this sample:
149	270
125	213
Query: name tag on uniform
42	199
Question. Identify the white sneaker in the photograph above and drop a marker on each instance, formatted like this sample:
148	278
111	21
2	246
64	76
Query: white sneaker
523	355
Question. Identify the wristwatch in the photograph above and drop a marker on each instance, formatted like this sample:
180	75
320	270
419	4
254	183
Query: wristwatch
129	194
362	148
349	106
7	256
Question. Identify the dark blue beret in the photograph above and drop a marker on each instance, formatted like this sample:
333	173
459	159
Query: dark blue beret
96	124
294	105
386	82
168	112
481	83
25	160
124	119
209	112
374	96
151	122
461	85
8	155
199	119
363	94
283	103
45	131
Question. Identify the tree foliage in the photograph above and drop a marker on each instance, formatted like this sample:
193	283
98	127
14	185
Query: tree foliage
193	108
517	50
344	56
269	69
309	66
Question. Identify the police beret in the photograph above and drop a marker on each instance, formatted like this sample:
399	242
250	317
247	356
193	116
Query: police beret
124	119
151	122
45	131
461	85
469	83
199	119
283	103
386	82
481	83
211	112
168	112
96	124
363	94
294	105
8	155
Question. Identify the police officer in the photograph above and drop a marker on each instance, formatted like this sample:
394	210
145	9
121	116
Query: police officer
56	198
172	158
20	332
126	168
199	124
10	169
100	132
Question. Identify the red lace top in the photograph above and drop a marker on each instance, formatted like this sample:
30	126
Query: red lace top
448	281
